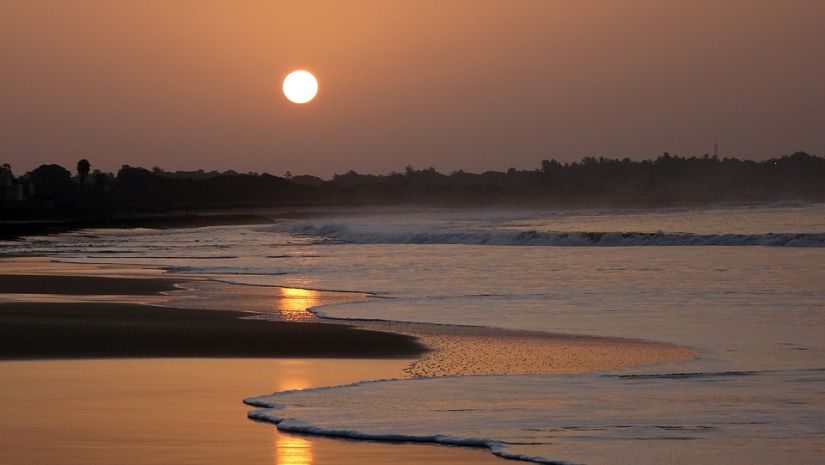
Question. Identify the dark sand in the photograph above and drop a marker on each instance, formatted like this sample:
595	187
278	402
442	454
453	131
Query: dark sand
34	330
66	330
82	285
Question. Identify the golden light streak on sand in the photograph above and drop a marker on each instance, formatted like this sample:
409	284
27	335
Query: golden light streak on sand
294	302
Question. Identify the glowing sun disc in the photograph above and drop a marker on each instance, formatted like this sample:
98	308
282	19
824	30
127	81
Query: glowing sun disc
300	86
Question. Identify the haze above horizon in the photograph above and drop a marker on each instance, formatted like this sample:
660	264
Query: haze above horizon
473	85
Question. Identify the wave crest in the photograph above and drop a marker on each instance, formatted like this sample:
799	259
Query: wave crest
348	234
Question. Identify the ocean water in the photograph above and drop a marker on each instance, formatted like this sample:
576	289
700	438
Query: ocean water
743	285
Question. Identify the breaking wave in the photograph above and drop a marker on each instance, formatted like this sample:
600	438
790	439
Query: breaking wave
360	234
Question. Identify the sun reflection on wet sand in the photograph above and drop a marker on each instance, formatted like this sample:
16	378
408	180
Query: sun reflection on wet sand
292	450
294	302
293	375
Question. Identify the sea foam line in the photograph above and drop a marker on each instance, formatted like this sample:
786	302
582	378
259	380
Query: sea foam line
267	412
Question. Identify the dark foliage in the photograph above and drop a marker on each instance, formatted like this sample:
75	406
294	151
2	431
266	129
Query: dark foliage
83	167
52	182
667	180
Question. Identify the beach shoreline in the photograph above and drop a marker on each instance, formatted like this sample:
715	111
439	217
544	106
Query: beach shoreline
81	310
104	317
135	410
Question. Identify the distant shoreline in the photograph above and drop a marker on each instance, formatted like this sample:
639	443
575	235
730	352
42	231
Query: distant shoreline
12	230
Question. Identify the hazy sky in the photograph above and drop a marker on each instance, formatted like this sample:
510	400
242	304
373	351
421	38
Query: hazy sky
452	84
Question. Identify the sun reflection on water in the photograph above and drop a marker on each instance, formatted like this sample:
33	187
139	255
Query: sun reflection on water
292	305
292	450
294	302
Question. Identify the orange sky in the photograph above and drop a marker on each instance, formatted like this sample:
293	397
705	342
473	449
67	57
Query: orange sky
453	84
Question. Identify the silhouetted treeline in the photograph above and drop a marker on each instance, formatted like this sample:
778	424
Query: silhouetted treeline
52	191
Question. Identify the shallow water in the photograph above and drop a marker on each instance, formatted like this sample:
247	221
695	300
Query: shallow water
754	307
734	418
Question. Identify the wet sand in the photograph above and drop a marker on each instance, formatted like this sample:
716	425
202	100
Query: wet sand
183	411
474	350
138	411
141	411
456	350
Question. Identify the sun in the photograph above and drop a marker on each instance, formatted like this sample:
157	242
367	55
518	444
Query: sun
300	86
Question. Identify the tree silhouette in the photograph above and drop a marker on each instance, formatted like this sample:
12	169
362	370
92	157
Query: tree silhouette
83	167
52	182
593	181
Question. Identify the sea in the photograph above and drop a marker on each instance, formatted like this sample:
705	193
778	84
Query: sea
743	285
